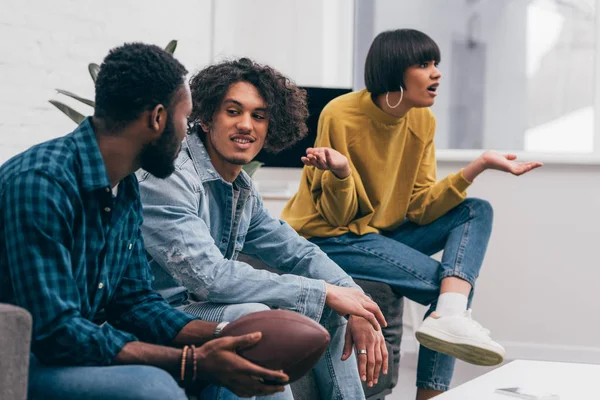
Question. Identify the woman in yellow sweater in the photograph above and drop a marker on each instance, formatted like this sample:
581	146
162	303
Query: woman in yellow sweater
370	199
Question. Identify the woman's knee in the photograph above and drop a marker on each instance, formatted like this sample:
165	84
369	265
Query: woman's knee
480	208
235	311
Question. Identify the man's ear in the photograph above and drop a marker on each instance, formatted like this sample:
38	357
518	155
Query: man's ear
157	119
205	127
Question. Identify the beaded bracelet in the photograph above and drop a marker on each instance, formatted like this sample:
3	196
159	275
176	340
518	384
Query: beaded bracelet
183	360
195	363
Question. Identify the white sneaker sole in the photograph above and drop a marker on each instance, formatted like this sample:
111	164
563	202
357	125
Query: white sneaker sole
464	349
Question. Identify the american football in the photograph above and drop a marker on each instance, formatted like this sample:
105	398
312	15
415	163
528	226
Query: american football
290	341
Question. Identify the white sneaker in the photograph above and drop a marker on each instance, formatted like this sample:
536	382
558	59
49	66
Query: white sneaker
462	337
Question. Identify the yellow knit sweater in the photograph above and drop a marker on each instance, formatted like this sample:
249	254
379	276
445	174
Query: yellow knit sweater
393	172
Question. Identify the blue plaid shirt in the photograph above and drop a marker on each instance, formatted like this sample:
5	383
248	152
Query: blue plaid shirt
69	248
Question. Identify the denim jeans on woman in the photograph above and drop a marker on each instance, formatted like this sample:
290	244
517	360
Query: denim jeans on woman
401	258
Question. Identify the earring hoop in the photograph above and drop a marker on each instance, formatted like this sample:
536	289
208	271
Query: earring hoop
387	98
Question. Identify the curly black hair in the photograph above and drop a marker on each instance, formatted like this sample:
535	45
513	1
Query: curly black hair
286	103
133	78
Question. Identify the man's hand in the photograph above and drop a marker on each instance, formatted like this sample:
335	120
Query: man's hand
502	162
327	159
218	360
351	301
361	334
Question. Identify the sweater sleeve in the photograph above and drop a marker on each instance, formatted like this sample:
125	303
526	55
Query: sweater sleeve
335	199
431	199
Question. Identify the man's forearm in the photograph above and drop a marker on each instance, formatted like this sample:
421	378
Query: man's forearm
163	357
196	333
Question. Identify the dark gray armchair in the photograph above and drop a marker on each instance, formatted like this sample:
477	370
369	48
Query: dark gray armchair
15	340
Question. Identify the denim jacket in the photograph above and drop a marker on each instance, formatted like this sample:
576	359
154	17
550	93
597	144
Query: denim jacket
194	230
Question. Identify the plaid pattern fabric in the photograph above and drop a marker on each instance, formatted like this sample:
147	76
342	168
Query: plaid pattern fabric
69	248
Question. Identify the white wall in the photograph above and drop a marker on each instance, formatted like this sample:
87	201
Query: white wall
538	289
308	40
48	44
503	30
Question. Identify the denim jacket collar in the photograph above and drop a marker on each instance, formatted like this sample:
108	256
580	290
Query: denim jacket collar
204	167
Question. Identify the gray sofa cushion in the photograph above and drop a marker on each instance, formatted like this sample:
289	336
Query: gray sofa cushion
15	340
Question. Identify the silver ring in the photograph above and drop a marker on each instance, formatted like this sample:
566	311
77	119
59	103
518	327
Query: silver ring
362	352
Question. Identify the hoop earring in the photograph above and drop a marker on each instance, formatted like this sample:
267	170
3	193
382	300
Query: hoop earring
387	98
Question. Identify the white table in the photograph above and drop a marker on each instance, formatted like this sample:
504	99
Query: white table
569	381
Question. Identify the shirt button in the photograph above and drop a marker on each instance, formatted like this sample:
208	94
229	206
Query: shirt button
107	209
210	171
100	285
130	246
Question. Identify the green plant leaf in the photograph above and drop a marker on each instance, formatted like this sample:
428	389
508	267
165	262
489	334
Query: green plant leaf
93	68
74	96
68	111
252	167
171	46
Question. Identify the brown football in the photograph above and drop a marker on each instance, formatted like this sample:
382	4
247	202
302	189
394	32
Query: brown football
290	341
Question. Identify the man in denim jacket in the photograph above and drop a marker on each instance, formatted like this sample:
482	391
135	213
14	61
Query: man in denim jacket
200	218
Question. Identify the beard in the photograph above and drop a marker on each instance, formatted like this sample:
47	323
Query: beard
237	160
158	158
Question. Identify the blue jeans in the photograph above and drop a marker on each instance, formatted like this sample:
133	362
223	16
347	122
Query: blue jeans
106	383
336	379
401	259
119	382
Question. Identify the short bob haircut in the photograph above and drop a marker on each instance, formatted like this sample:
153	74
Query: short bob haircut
286	103
391	53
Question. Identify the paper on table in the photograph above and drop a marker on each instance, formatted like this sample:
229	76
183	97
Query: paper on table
527	393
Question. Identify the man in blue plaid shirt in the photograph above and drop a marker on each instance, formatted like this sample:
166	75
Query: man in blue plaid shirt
70	247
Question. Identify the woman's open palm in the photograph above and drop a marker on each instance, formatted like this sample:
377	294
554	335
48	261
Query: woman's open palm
507	163
326	158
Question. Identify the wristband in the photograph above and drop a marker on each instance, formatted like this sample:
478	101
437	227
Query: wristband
219	328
